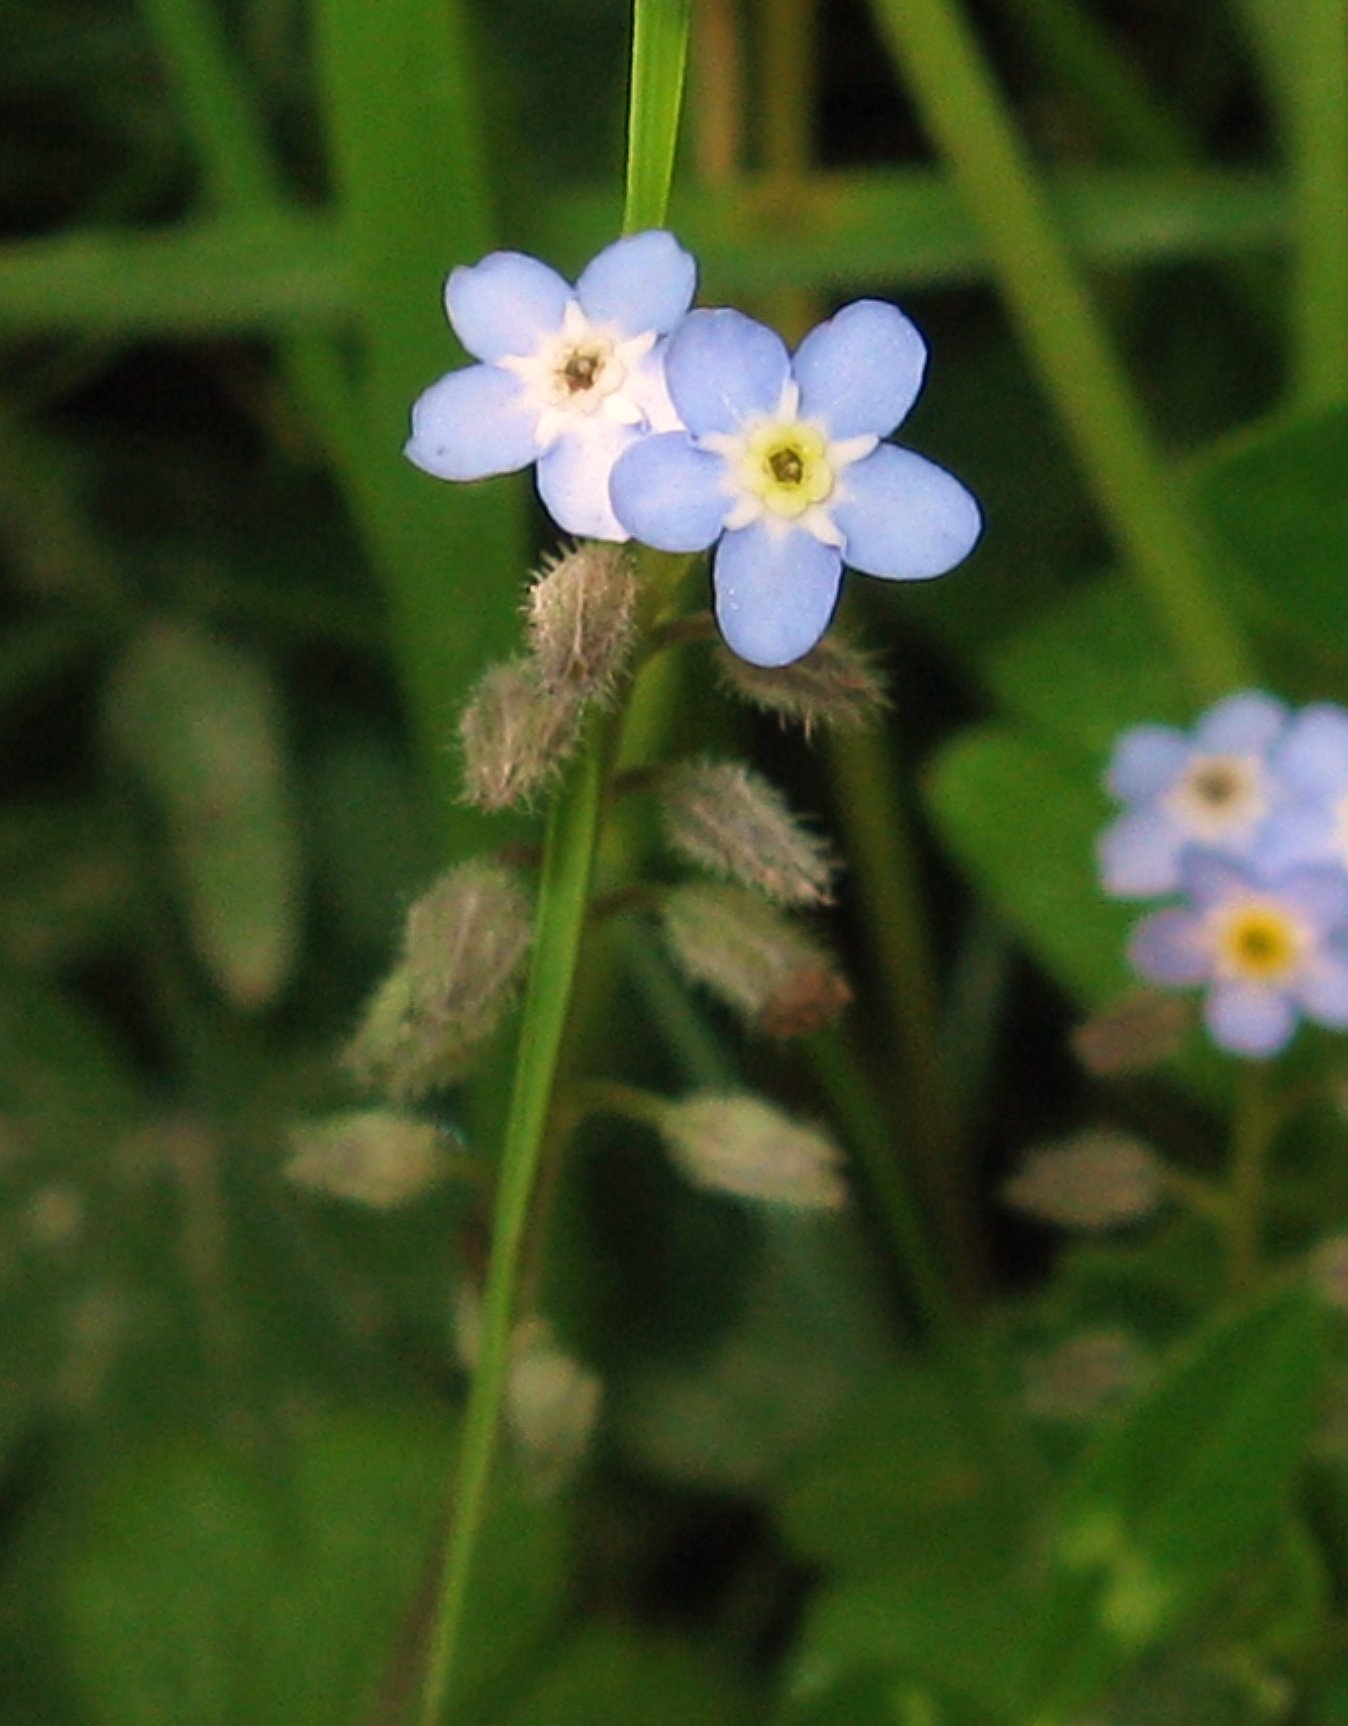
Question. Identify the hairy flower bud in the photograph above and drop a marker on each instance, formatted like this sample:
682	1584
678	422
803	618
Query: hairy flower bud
1094	1180
1134	1034
754	958
836	685
1084	1376
517	731
464	946
739	1145
581	612
372	1157
730	820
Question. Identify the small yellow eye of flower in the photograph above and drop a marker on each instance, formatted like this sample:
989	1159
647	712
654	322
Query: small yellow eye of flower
580	369
1259	943
1216	783
788	467
1218	795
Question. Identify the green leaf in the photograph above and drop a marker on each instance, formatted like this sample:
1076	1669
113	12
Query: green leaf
199	720
1023	818
204	1588
1177	1494
659	52
1279	497
611	1677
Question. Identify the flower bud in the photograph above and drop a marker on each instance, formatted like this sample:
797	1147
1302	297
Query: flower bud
742	1146
1094	1180
581	612
1133	1034
464	947
728	819
754	958
372	1157
1084	1376
516	733
836	685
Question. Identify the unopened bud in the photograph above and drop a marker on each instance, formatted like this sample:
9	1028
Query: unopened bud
1085	1376
516	733
464	947
836	685
1094	1180
754	958
739	1145
582	619
726	818
372	1157
1134	1034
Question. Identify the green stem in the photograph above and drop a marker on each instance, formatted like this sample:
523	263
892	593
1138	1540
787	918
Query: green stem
1136	488
1316	122
564	889
1258	1115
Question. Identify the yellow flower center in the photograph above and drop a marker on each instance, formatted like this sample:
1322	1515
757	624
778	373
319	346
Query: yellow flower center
787	466
1259	943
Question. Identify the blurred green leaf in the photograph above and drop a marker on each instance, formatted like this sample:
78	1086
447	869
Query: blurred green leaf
612	1677
199	720
1175	1495
205	1589
1022	818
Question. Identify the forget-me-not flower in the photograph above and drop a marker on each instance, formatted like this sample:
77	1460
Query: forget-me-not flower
780	465
1214	788
1311	764
567	377
1269	948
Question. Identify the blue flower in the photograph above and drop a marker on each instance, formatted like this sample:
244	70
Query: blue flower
1311	764
1215	788
1269	949
569	377
781	466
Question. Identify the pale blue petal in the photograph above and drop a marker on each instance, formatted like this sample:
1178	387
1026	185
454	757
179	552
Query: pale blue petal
1299	833
641	282
1249	1020
722	368
1318	896
860	372
1208	876
903	517
1146	761
1323	991
1167	948
573	478
471	424
668	494
1312	759
1244	724
504	304
775	592
1139	855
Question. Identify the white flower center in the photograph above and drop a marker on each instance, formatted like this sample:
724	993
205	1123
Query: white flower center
1257	941
1219	796
784	471
582	370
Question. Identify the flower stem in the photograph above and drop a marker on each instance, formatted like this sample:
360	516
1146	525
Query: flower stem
1258	1116
1316	122
564	888
1136	489
659	57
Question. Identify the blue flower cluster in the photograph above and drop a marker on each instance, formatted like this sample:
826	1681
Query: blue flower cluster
1245	819
688	430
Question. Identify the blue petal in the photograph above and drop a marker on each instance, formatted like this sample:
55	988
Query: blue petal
1208	877
1319	896
668	494
904	518
641	282
1249	1020
1146	761
860	372
1312	759
473	423
573	478
1139	855
504	304
1323	992
722	368
1166	948
1298	834
1240	724
775	592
